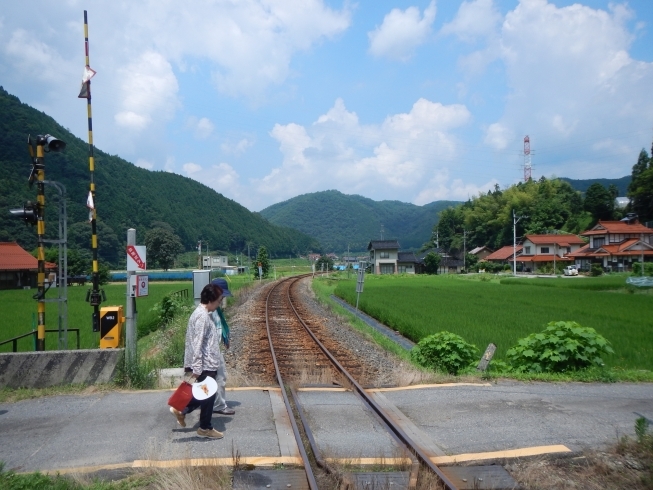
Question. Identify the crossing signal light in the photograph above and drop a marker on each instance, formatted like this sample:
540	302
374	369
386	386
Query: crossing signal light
29	213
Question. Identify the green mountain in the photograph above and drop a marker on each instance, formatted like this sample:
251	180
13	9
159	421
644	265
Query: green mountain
126	197
583	184
338	220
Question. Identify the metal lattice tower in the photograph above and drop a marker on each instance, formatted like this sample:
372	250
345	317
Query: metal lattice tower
527	159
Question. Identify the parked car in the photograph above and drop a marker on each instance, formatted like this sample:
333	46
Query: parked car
571	270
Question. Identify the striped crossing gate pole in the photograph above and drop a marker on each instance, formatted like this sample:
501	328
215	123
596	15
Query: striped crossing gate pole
40	232
93	296
38	217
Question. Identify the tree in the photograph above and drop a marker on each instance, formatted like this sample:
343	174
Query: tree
470	261
263	259
163	246
328	263
640	189
432	263
599	202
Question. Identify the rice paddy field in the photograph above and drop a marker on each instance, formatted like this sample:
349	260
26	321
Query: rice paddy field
18	311
504	311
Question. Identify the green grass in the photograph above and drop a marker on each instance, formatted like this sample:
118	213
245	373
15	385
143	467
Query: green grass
483	312
610	282
19	313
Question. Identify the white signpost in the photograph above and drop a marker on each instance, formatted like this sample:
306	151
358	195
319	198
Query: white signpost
136	258
136	286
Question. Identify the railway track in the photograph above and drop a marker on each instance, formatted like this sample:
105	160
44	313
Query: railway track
297	352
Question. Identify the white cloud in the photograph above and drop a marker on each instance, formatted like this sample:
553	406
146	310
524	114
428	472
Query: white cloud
36	59
142	163
499	136
399	155
222	178
571	79
475	19
401	32
149	90
249	43
192	169
202	128
237	148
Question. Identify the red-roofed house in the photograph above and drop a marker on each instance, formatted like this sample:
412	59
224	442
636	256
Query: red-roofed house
18	268
504	254
615	245
547	249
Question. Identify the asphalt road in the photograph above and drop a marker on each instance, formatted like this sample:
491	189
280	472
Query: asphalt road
76	431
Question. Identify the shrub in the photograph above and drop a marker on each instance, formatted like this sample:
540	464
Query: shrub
648	268
161	314
489	267
444	351
596	270
562	346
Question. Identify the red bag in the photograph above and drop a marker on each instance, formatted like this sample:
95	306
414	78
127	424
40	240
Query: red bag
181	397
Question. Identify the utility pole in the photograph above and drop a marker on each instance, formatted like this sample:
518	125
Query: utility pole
199	254
464	249
641	259
515	220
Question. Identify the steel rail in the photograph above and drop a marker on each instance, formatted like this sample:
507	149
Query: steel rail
375	406
302	451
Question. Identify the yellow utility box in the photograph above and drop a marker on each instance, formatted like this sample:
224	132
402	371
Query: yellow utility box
111	323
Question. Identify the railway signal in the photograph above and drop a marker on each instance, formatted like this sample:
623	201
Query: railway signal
29	213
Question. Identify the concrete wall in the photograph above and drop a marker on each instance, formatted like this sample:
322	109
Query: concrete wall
51	368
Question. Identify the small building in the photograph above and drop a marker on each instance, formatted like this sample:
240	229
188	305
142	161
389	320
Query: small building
214	261
538	250
18	269
383	256
481	252
314	257
615	245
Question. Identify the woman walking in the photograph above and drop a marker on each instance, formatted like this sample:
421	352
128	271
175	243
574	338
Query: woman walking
202	358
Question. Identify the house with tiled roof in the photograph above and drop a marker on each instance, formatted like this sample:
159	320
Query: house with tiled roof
481	252
18	269
615	245
407	263
504	255
383	256
549	249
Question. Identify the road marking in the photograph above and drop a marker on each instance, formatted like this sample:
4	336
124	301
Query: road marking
422	387
253	460
510	453
177	463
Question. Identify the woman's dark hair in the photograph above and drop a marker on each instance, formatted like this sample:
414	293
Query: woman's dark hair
210	293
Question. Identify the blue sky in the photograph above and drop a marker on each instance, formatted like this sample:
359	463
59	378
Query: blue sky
415	101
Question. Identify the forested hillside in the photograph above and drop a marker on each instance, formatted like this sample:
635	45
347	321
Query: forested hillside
127	197
584	184
338	220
